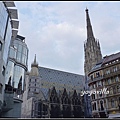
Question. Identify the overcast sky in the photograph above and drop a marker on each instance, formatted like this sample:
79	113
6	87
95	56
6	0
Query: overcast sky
56	31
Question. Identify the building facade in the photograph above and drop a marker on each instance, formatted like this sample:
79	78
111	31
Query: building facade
14	77
13	61
92	56
17	62
105	76
52	93
8	31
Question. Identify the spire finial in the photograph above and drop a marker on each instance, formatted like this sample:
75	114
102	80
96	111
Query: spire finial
86	9
34	64
89	27
35	59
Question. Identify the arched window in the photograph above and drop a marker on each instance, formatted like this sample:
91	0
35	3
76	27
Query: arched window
111	90
93	96
100	95
65	100
76	101
114	90
94	106
73	101
118	88
58	100
54	99
69	101
79	102
50	99
117	78
109	81
101	105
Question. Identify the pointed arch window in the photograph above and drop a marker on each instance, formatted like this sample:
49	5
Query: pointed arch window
76	101
51	100
54	99
65	100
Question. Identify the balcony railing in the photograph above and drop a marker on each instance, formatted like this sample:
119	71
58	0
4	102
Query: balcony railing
95	79
112	74
104	76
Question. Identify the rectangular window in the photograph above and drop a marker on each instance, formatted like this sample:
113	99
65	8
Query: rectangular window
112	103
91	77
93	96
99	83
115	69
117	79
107	71
97	74
109	81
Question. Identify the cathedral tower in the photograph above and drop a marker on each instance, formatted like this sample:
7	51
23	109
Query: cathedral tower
91	48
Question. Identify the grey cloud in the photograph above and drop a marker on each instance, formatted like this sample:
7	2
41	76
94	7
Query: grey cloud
56	32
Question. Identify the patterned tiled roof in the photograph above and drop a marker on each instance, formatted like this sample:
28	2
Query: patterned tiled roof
60	79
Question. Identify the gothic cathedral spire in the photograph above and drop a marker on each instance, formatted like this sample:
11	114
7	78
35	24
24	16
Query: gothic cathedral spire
89	27
91	48
34	68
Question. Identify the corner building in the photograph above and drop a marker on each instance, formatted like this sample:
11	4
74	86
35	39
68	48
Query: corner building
8	30
106	74
14	78
13	61
17	62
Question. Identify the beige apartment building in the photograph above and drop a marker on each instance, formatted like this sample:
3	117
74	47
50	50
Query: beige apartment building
105	76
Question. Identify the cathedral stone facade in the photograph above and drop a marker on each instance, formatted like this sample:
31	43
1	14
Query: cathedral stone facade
52	93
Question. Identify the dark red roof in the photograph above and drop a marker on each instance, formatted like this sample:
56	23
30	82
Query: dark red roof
111	57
